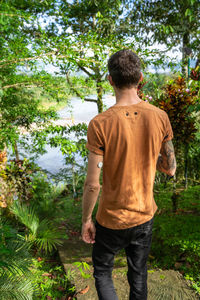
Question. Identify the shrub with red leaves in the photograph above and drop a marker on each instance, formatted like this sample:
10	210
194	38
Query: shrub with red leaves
175	100
195	73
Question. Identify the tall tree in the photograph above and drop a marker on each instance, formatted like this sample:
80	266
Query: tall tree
85	33
20	48
174	23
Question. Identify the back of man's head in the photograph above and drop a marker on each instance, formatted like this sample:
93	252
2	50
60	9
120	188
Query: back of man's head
125	69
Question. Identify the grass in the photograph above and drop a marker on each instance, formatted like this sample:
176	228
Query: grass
73	213
176	235
188	200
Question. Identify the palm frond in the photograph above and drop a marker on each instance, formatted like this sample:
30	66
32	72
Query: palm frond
26	215
42	233
15	287
48	237
16	258
14	250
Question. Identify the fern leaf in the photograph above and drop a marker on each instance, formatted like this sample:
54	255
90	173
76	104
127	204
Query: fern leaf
48	237
26	215
15	287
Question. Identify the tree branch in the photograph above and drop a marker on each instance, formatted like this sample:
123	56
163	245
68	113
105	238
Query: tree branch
4	62
2	65
104	73
84	70
72	87
13	15
76	92
19	84
90	100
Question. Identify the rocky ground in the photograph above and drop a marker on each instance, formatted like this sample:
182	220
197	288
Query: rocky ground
162	284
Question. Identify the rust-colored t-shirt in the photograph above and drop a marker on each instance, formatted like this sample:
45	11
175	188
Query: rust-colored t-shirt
129	138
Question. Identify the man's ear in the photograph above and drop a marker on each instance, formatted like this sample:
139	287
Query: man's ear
110	80
141	77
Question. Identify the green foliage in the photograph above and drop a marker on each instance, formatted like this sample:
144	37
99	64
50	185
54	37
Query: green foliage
15	287
194	159
44	195
195	86
97	29
41	233
190	199
19	110
71	140
21	36
51	281
71	212
37	233
176	237
13	250
83	267
174	23
73	176
17	178
151	88
81	85
59	136
15	260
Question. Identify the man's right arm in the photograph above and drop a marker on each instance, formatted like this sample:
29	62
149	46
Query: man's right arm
166	162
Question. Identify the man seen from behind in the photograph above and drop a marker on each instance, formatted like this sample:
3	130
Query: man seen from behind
132	139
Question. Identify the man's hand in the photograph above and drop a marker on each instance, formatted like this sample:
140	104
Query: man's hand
88	232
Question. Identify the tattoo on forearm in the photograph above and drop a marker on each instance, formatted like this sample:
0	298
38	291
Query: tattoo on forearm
166	161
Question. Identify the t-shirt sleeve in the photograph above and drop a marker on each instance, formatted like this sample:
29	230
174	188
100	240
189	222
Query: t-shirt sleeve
95	141
168	130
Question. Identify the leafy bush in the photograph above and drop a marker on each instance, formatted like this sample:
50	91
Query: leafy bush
40	233
51	281
15	260
17	176
44	194
176	236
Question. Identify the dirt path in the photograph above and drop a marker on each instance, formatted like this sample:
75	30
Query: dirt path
162	285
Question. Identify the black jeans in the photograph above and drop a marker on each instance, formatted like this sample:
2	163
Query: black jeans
137	242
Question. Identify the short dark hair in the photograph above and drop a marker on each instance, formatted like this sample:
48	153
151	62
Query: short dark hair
125	68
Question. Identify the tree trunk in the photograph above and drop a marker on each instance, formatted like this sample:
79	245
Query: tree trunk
99	96
186	166
174	195
3	183
16	151
186	44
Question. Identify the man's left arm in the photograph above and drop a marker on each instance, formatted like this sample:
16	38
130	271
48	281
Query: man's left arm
90	196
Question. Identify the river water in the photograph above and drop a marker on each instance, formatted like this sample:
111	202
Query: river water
78	112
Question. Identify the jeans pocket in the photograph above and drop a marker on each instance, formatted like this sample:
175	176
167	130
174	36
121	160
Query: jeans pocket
144	235
144	239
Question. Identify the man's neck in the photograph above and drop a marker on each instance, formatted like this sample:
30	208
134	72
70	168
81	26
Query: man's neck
126	96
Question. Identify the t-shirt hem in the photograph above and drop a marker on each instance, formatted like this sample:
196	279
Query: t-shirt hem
169	138
125	226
